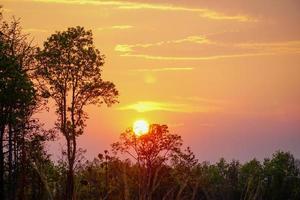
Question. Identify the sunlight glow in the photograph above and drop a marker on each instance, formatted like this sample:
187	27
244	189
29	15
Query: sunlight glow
140	127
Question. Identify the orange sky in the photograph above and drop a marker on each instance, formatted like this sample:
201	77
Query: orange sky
222	74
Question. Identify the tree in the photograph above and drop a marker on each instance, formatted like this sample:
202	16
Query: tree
183	164
70	71
281	177
250	180
18	103
151	151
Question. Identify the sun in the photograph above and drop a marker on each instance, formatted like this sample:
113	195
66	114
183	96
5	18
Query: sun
140	127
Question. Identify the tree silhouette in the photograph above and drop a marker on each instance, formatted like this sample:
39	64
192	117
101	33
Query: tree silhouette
18	102
70	71
151	151
281	177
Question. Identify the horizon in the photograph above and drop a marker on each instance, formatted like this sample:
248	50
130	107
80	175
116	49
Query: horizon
223	75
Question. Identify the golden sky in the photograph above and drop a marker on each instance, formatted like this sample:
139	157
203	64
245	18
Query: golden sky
224	75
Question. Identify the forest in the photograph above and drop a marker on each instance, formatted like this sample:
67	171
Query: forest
155	166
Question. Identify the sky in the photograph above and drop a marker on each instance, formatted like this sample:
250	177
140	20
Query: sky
224	75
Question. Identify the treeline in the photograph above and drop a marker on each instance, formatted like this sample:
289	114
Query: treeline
107	177
67	71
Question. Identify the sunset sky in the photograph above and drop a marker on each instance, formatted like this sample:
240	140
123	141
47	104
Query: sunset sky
225	75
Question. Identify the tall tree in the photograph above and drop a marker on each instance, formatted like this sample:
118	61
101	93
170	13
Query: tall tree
18	102
70	71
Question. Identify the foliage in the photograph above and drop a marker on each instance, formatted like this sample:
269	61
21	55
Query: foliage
186	178
22	137
70	73
151	151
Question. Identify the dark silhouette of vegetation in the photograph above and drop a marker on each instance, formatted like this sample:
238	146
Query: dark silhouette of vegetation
154	166
150	151
21	135
109	177
69	68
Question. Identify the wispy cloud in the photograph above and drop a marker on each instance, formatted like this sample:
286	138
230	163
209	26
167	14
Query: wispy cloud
200	58
116	27
123	48
131	5
285	46
164	69
191	39
147	106
241	49
203	12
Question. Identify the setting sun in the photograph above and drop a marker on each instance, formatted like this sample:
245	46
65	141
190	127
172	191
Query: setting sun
149	99
140	127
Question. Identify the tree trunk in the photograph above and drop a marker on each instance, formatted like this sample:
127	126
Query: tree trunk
23	168
2	193
125	180
70	184
70	175
10	162
195	188
182	187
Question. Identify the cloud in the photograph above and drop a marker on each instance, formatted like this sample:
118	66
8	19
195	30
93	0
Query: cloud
147	106
285	46
131	5
240	49
116	27
188	58
203	12
191	39
165	69
123	48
